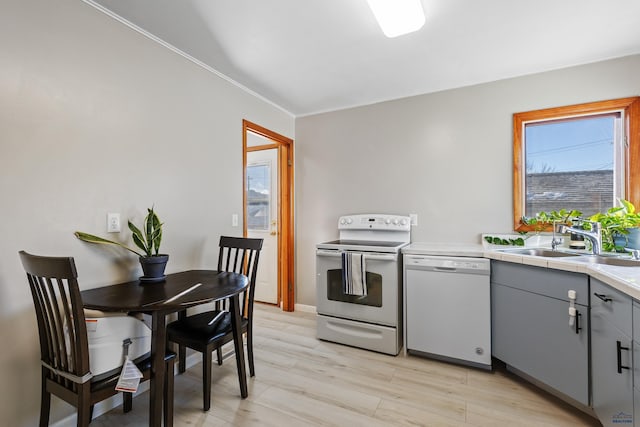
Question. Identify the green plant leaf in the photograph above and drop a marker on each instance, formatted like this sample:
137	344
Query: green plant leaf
90	238
138	239
628	206
156	235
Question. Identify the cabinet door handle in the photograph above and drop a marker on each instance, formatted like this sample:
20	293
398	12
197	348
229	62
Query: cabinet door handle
578	327
603	297
619	349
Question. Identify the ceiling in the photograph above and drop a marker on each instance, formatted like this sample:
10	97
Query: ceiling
311	56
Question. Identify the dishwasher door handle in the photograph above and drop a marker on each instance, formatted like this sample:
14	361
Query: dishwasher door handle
445	269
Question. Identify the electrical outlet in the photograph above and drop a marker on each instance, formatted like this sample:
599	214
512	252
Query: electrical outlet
414	219
113	223
234	220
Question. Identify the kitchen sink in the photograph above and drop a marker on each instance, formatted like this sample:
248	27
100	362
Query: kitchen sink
541	252
610	260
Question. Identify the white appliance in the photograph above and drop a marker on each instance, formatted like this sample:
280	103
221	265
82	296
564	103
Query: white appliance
374	321
106	333
448	308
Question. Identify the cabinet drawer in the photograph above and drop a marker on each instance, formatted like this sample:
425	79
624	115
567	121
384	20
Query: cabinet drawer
612	305
543	281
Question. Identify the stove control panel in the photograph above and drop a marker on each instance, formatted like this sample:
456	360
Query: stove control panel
374	222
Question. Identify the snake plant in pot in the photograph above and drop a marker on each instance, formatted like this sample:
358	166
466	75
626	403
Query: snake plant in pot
148	240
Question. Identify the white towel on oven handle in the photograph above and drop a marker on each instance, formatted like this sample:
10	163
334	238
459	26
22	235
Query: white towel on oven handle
354	273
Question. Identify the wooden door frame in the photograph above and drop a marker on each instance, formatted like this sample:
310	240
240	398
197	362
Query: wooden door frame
286	287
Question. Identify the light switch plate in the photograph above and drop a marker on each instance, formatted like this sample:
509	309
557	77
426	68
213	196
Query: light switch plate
113	223
414	219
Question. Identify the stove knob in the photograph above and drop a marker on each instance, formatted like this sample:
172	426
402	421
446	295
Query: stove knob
395	221
403	221
342	221
349	220
387	221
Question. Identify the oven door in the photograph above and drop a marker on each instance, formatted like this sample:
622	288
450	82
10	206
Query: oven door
380	306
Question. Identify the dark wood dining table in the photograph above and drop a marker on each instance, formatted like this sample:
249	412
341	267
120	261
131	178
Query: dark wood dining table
176	293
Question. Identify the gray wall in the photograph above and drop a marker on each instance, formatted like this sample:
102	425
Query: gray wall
96	118
446	156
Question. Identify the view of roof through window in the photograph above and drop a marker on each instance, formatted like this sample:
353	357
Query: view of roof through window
570	164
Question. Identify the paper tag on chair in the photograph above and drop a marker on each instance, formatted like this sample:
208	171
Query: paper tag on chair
130	374
129	377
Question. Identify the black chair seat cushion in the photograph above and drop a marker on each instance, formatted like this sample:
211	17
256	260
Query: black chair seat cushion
196	332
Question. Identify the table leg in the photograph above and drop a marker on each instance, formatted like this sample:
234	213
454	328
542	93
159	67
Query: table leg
158	349
236	326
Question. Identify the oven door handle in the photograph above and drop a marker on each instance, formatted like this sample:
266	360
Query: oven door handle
367	255
323	252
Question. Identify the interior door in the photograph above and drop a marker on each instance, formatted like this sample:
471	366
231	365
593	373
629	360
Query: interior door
270	157
262	218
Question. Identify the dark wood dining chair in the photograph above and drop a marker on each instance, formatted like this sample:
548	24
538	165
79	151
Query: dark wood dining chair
208	331
64	346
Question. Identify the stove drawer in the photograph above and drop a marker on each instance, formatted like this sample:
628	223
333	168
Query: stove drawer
378	338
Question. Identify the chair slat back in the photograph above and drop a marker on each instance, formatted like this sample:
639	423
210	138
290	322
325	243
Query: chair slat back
241	255
60	316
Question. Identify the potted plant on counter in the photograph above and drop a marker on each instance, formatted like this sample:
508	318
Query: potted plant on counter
543	221
619	227
152	261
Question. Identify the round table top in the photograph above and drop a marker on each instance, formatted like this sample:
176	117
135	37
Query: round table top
177	292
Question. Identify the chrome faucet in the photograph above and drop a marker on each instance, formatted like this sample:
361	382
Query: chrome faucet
555	242
594	235
635	253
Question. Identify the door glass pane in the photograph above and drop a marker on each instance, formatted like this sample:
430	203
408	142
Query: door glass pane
572	164
258	196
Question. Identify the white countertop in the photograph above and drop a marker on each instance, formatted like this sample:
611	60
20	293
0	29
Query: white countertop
624	279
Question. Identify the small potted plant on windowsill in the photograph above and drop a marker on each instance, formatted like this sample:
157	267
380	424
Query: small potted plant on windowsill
152	261
619	227
543	221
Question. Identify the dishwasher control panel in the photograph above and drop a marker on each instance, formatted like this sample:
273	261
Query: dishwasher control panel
477	265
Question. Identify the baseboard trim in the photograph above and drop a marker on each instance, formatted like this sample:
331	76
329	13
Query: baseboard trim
305	308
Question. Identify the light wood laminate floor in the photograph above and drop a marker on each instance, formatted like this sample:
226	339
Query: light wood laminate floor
301	381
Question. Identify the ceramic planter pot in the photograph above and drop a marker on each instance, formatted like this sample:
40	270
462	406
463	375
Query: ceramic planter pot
631	240
153	267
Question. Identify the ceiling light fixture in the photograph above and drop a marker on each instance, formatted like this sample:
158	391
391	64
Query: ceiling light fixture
398	17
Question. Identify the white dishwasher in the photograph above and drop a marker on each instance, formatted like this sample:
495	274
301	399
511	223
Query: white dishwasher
447	308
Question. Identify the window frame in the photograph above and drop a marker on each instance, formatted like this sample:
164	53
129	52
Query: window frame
630	108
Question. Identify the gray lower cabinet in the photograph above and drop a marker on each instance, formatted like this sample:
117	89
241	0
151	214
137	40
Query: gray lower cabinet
636	361
611	355
531	330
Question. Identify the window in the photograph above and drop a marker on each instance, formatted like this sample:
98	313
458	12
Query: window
581	157
258	208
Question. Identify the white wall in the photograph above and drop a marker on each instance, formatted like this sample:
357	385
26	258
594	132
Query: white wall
446	156
96	118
